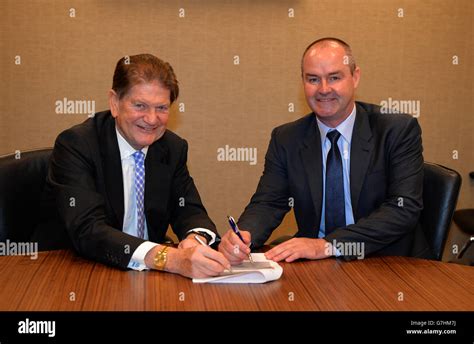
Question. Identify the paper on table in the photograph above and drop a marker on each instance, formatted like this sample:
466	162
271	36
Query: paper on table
261	271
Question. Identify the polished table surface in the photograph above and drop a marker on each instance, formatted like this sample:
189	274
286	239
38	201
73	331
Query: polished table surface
61	280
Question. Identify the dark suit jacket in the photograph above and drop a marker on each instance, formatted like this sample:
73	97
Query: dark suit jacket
386	167
85	178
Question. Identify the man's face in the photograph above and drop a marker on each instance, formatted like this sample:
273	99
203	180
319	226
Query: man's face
142	114
329	86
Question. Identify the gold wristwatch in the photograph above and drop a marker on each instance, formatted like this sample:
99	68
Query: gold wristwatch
160	258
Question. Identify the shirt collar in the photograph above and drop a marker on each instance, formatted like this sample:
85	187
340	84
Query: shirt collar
126	150
345	128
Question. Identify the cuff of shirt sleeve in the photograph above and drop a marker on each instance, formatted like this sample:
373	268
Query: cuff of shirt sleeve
138	258
335	252
211	233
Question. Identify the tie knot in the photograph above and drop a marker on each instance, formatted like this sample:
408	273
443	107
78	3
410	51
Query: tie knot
139	157
333	136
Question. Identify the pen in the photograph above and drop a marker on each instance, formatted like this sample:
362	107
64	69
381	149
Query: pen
199	240
236	230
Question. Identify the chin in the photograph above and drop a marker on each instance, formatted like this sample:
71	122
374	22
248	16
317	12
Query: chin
325	114
143	142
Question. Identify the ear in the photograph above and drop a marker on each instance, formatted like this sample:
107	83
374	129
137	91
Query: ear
356	77
113	103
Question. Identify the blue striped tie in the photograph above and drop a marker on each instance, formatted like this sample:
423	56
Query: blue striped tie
140	191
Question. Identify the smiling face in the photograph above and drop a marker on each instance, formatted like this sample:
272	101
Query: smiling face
142	113
329	86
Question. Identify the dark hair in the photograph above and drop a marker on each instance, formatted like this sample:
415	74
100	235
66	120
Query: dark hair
132	70
347	49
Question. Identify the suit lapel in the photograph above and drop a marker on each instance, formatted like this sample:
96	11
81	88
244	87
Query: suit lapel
312	162
112	169
361	150
158	180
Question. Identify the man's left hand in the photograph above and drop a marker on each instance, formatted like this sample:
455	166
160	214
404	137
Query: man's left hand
297	248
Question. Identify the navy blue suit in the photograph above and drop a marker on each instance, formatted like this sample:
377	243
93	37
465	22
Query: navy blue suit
386	182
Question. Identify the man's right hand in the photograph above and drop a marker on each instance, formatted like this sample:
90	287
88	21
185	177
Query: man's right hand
233	248
194	262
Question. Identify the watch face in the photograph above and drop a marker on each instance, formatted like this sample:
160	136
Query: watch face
160	258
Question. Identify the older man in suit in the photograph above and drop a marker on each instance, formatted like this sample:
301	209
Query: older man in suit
120	178
353	175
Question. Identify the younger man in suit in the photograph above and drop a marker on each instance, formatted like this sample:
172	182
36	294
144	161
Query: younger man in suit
353	175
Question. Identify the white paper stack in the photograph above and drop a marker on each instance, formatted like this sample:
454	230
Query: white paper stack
261	271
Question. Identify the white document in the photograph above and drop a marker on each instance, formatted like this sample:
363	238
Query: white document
261	271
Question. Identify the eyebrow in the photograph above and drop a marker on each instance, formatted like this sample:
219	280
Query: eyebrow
330	74
137	100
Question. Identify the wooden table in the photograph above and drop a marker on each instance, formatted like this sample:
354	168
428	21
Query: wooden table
60	280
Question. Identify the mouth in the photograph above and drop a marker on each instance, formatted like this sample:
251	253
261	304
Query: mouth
325	100
146	129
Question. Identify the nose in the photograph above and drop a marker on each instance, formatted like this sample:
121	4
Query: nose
324	87
151	117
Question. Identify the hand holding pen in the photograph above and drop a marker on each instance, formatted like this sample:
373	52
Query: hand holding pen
236	230
233	246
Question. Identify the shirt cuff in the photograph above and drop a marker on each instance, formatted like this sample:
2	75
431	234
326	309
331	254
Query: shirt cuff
335	252
138	258
211	233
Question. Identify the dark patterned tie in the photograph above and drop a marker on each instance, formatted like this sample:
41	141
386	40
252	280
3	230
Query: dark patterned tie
335	213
